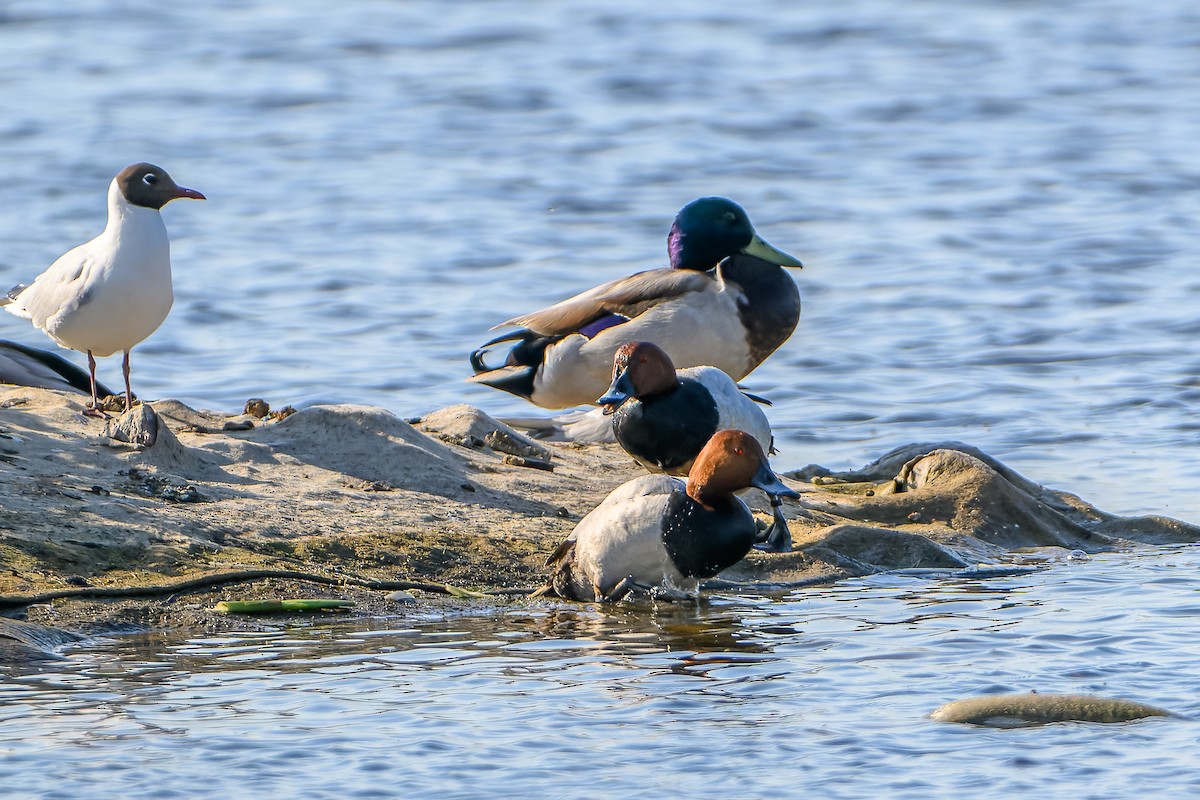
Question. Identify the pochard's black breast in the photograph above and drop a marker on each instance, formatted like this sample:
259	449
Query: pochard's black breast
770	304
668	429
701	542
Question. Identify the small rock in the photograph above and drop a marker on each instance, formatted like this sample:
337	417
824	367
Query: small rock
914	516
1078	555
402	597
470	427
257	407
532	463
76	580
171	490
504	442
282	413
138	426
114	403
181	494
238	425
1016	710
467	487
99	490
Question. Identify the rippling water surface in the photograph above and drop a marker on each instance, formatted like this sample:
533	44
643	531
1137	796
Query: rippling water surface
818	692
997	203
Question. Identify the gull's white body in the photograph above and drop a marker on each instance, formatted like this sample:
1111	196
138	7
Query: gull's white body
108	294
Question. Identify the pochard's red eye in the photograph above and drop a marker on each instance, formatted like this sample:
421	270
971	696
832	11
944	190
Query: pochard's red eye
738	451
643	359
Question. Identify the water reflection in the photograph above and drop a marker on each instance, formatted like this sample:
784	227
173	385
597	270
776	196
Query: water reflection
828	685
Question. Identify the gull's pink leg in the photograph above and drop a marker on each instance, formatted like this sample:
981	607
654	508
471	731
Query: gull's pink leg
94	410
128	390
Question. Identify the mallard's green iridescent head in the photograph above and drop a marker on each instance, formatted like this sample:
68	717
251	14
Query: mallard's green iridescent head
710	229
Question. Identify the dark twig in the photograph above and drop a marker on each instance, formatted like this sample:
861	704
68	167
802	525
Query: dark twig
239	576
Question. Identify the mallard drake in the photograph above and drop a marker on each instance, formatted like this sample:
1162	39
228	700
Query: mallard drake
657	531
663	417
723	302
110	293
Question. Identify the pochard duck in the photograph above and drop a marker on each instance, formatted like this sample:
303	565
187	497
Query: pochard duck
658	531
723	302
110	293
663	417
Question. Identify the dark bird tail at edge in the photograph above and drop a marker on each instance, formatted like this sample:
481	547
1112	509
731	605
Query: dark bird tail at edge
28	366
520	367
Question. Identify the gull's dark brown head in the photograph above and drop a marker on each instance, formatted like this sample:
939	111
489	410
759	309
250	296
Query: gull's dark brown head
150	186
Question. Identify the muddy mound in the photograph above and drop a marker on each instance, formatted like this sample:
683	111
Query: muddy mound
366	443
463	498
965	504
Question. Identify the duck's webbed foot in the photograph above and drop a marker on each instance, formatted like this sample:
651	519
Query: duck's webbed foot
777	537
623	589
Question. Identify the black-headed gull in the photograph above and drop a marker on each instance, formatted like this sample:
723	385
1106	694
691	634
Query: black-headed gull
114	291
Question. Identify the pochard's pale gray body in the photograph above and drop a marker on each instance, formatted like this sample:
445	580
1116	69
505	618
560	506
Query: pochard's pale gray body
657	532
736	410
623	538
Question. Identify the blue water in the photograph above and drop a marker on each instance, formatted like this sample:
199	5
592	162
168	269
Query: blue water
818	692
997	206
